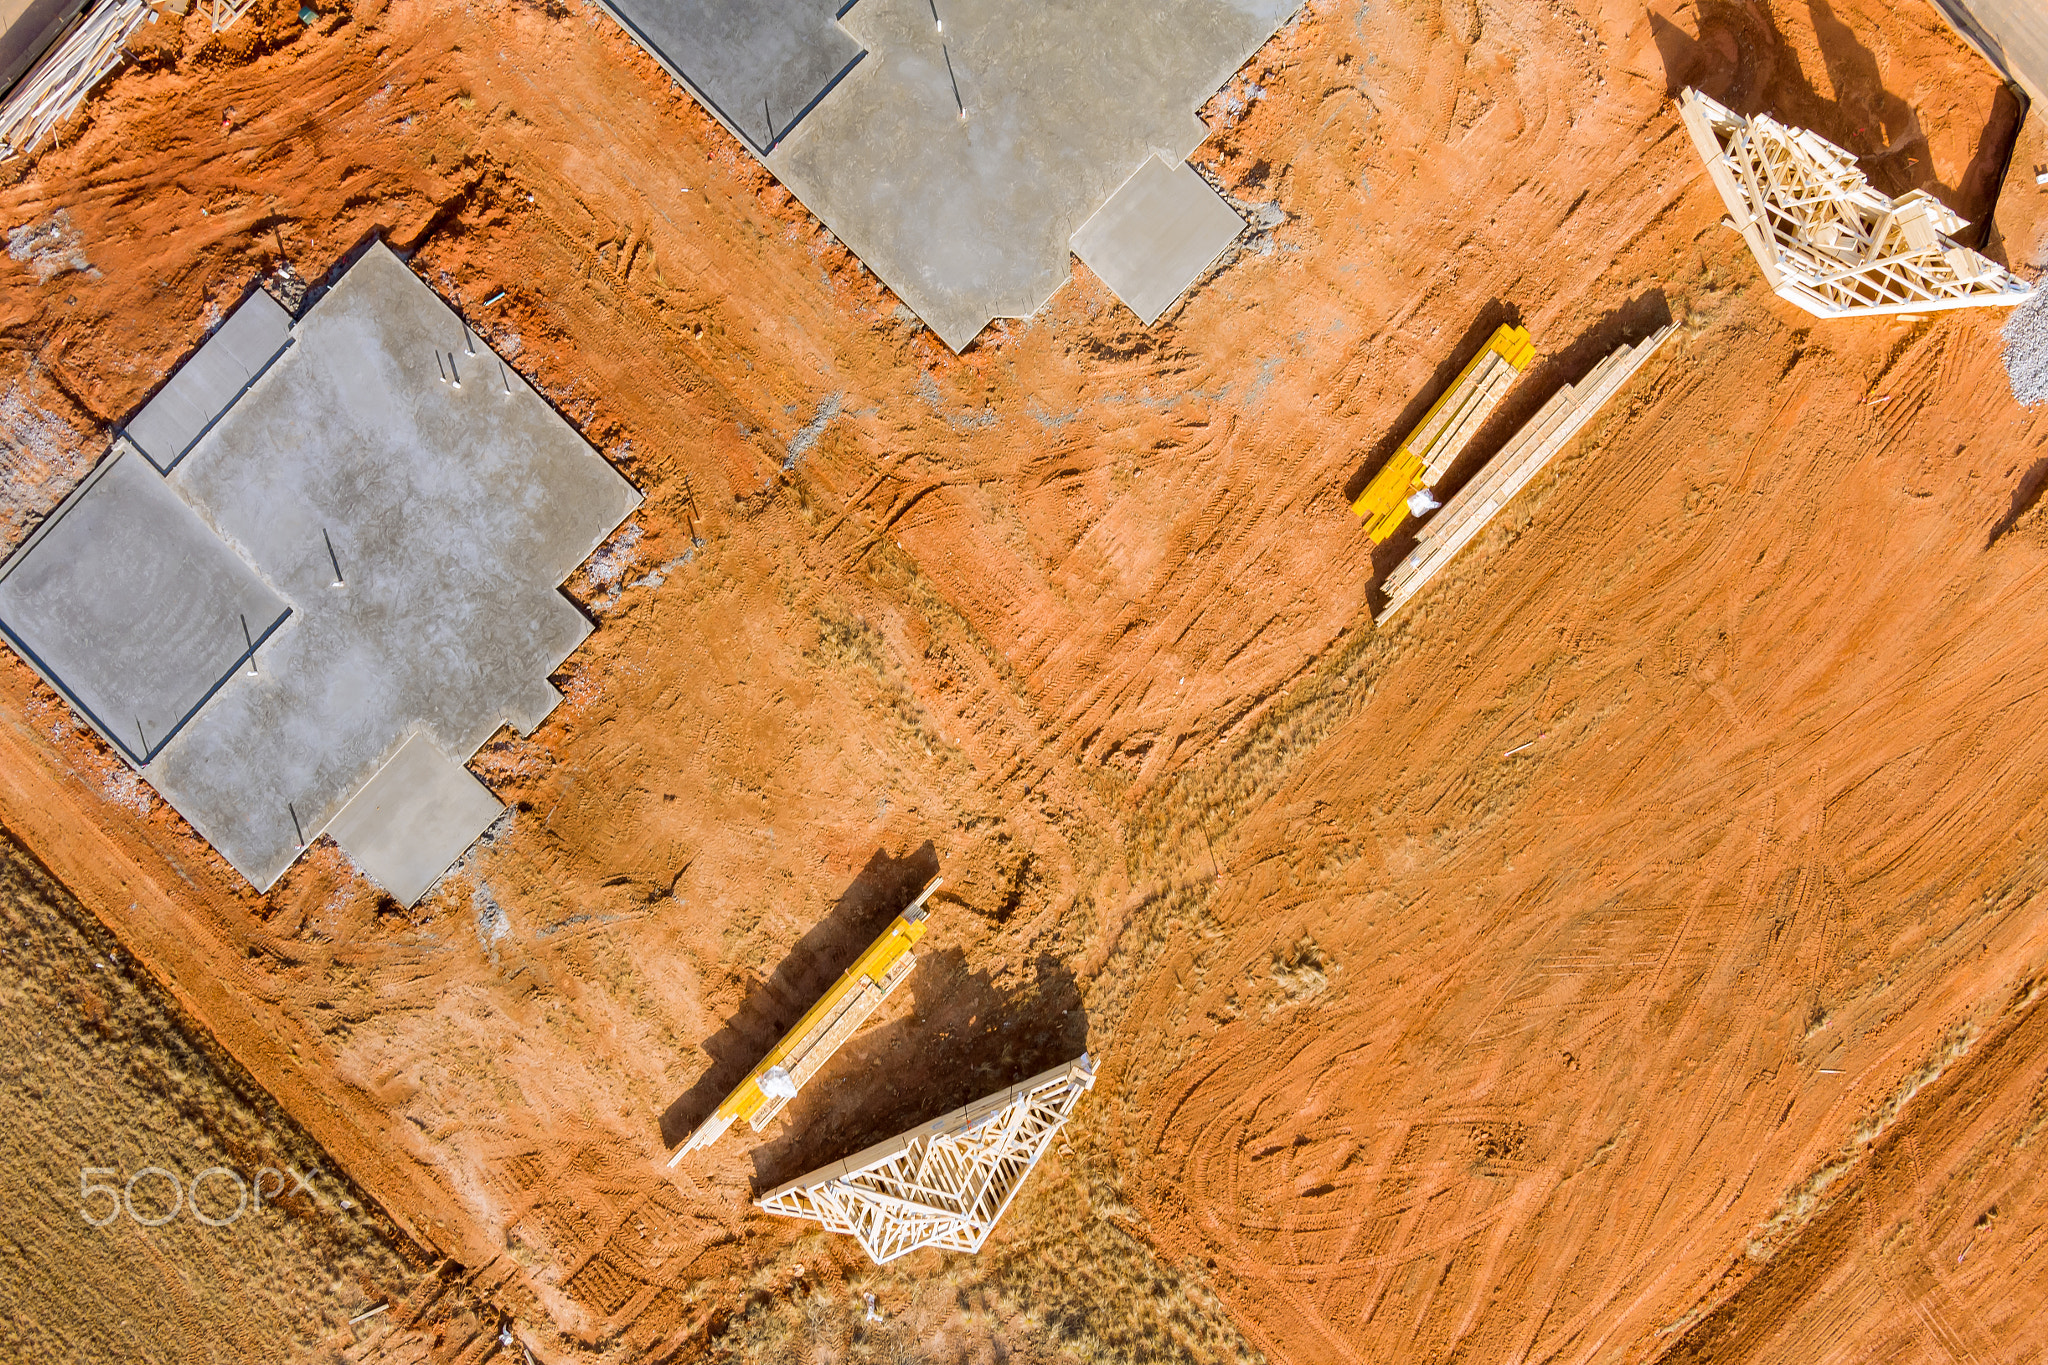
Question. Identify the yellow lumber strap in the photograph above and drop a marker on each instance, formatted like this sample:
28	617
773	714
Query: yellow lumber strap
1385	500
836	1016
1443	431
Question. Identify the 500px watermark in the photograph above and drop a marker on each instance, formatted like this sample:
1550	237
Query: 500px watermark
217	1196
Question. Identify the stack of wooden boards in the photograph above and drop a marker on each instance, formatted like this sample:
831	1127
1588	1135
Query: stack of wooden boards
840	1011
1548	432
48	95
1437	440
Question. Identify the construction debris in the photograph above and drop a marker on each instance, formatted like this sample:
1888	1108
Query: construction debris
49	94
50	247
1825	238
946	1183
1402	485
2026	351
858	992
1505	475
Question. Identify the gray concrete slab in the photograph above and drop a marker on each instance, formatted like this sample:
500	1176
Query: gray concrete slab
130	606
969	218
2013	34
227	363
1156	236
759	65
453	511
409	823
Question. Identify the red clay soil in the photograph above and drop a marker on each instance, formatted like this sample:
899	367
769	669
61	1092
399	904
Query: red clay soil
1630	953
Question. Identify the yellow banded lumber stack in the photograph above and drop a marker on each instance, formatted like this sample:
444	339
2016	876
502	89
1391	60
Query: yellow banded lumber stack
839	1012
1444	431
1505	475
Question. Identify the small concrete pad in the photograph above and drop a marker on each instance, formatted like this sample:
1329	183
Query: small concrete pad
759	65
969	218
127	603
1156	236
229	361
409	823
28	29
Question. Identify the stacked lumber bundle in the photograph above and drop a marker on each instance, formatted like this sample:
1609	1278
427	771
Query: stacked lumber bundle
1400	486
1531	448
49	94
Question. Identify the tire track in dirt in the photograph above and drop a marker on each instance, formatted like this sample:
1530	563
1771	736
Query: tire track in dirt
1806	895
990	640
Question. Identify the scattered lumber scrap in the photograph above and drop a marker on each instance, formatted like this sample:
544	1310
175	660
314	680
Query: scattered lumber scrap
225	12
60	82
801	1052
944	1183
1403	482
1519	461
1829	241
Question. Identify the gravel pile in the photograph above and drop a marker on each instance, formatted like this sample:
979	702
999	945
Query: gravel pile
2026	350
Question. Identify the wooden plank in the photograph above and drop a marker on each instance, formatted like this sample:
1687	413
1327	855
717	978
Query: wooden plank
828	1023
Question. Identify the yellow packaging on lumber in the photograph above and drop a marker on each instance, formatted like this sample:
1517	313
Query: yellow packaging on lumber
799	1054
1443	430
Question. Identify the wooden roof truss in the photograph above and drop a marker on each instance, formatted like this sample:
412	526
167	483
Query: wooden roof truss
1826	238
947	1183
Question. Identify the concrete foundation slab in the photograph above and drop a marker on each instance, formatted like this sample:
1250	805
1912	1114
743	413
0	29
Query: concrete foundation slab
759	65
409	823
213	378
415	506
419	506
957	162
28	29
2012	34
130	606
1156	236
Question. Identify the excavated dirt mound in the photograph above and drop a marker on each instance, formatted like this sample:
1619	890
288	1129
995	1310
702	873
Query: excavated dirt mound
1629	953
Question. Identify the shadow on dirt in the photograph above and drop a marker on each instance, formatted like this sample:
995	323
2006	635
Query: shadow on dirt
1552	370
2025	494
1455	355
1740	58
966	1036
874	897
